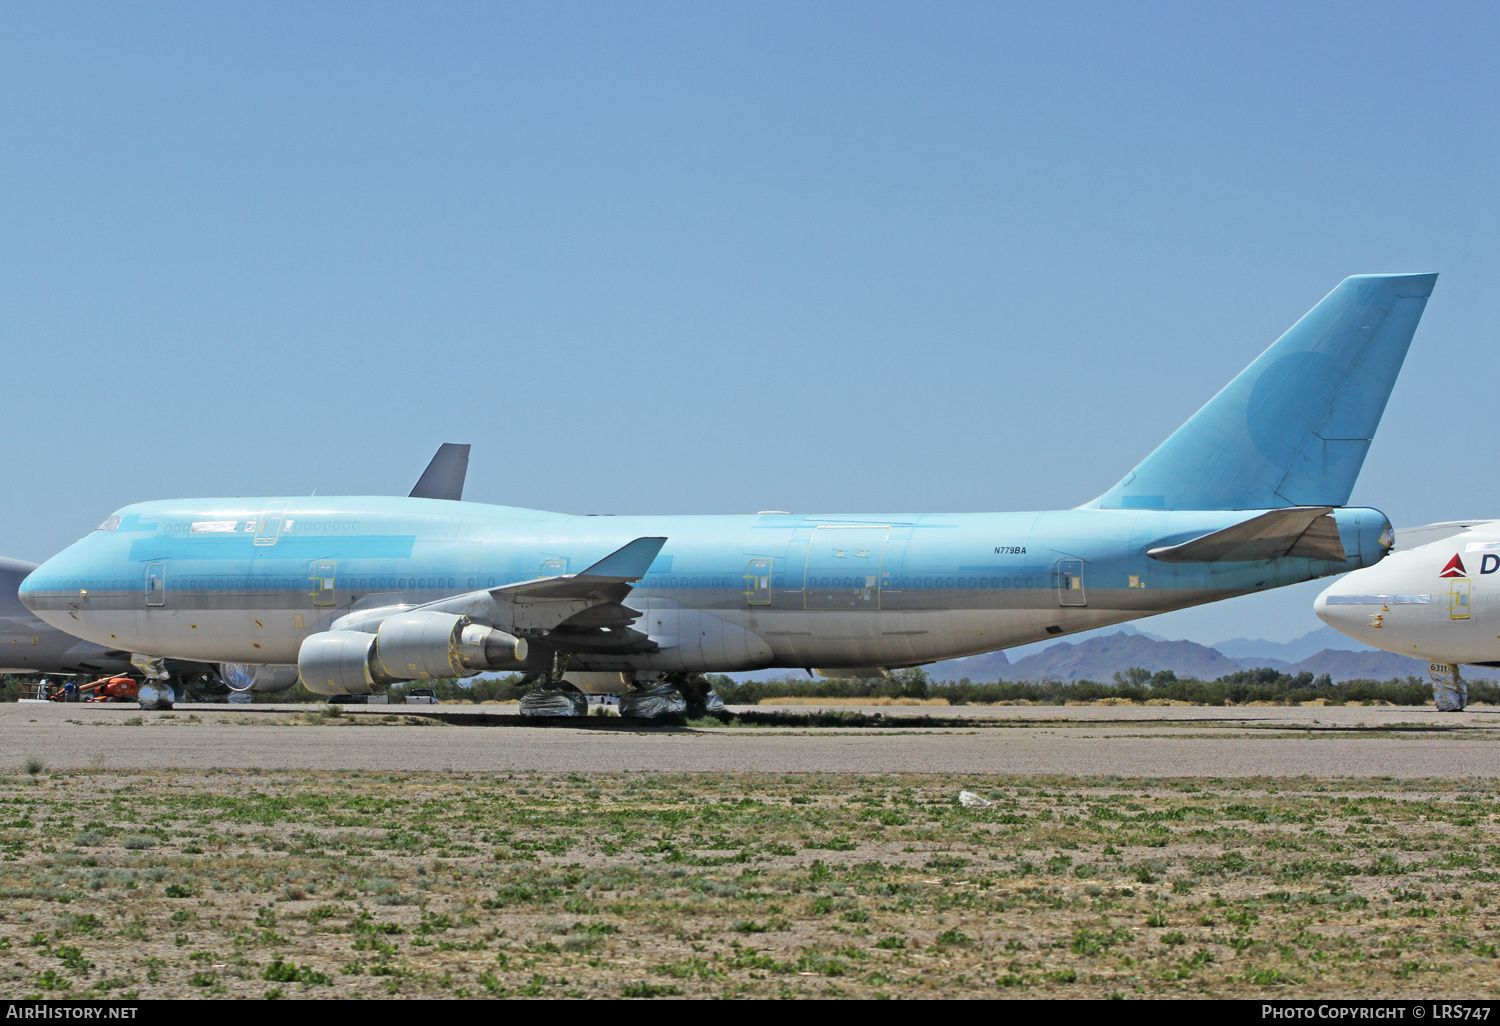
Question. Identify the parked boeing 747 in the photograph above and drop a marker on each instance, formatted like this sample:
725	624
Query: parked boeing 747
359	593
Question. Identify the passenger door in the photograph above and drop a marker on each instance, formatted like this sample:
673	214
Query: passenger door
1067	577
1460	590
758	583
324	576
156	584
843	567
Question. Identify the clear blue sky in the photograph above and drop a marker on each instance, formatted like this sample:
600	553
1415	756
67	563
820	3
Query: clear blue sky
705	258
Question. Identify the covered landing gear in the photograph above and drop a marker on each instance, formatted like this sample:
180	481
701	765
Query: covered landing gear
1449	691
663	696
555	699
672	694
162	687
702	699
156	689
156	694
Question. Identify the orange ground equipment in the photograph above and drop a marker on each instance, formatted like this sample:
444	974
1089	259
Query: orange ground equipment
119	689
112	689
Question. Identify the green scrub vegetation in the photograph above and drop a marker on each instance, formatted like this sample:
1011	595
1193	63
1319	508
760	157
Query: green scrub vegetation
301	884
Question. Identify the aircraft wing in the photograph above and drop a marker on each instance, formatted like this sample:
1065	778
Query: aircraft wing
585	609
444	476
1411	537
623	567
1305	532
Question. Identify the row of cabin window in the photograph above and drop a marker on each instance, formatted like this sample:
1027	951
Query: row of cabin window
269	584
859	582
363	583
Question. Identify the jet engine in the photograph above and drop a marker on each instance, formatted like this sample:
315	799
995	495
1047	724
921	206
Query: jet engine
260	677
407	646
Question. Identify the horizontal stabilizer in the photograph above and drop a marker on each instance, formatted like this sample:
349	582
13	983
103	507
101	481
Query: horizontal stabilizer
444	476
624	566
1302	532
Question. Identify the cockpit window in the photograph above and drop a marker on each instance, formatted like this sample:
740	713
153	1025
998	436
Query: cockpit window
110	524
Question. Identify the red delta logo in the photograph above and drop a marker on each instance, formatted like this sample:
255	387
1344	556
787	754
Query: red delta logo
1455	568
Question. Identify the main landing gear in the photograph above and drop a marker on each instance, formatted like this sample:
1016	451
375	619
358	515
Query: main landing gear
660	696
688	695
556	698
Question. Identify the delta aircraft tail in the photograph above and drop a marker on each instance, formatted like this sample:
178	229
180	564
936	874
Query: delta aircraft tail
1293	428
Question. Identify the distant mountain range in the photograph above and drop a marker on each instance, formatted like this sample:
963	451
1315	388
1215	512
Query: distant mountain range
1100	657
1310	644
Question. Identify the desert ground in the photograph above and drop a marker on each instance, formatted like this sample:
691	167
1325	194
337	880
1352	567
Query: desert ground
1140	852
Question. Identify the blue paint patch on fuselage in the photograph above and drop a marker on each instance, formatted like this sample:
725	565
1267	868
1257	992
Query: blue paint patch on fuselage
210	549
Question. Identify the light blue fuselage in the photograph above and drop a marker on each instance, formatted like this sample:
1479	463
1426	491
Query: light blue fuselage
226	580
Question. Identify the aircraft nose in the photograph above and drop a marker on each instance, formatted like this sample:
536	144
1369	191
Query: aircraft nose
1324	611
1343	607
28	592
43	591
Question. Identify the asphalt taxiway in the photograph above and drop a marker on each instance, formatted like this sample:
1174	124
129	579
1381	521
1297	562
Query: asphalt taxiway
1176	741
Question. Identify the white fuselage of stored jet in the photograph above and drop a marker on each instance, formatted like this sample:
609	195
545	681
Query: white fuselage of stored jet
1439	601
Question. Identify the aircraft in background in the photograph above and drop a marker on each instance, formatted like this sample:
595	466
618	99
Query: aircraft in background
363	592
27	645
30	645
1436	597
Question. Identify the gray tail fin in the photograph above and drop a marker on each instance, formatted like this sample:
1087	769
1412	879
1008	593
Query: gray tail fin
444	476
1293	428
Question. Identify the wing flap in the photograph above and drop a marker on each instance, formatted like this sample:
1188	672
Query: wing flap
605	614
1305	532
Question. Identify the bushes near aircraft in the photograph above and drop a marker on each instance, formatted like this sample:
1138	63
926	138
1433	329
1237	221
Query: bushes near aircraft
1134	685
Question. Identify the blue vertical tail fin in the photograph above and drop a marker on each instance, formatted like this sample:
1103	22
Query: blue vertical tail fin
1293	428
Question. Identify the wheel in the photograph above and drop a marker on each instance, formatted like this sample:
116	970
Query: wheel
154	696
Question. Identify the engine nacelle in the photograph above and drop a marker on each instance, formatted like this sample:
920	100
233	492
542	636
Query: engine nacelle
259	677
425	644
408	646
340	663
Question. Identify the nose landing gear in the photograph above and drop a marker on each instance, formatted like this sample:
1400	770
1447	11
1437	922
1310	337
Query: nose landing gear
156	694
1449	691
156	690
